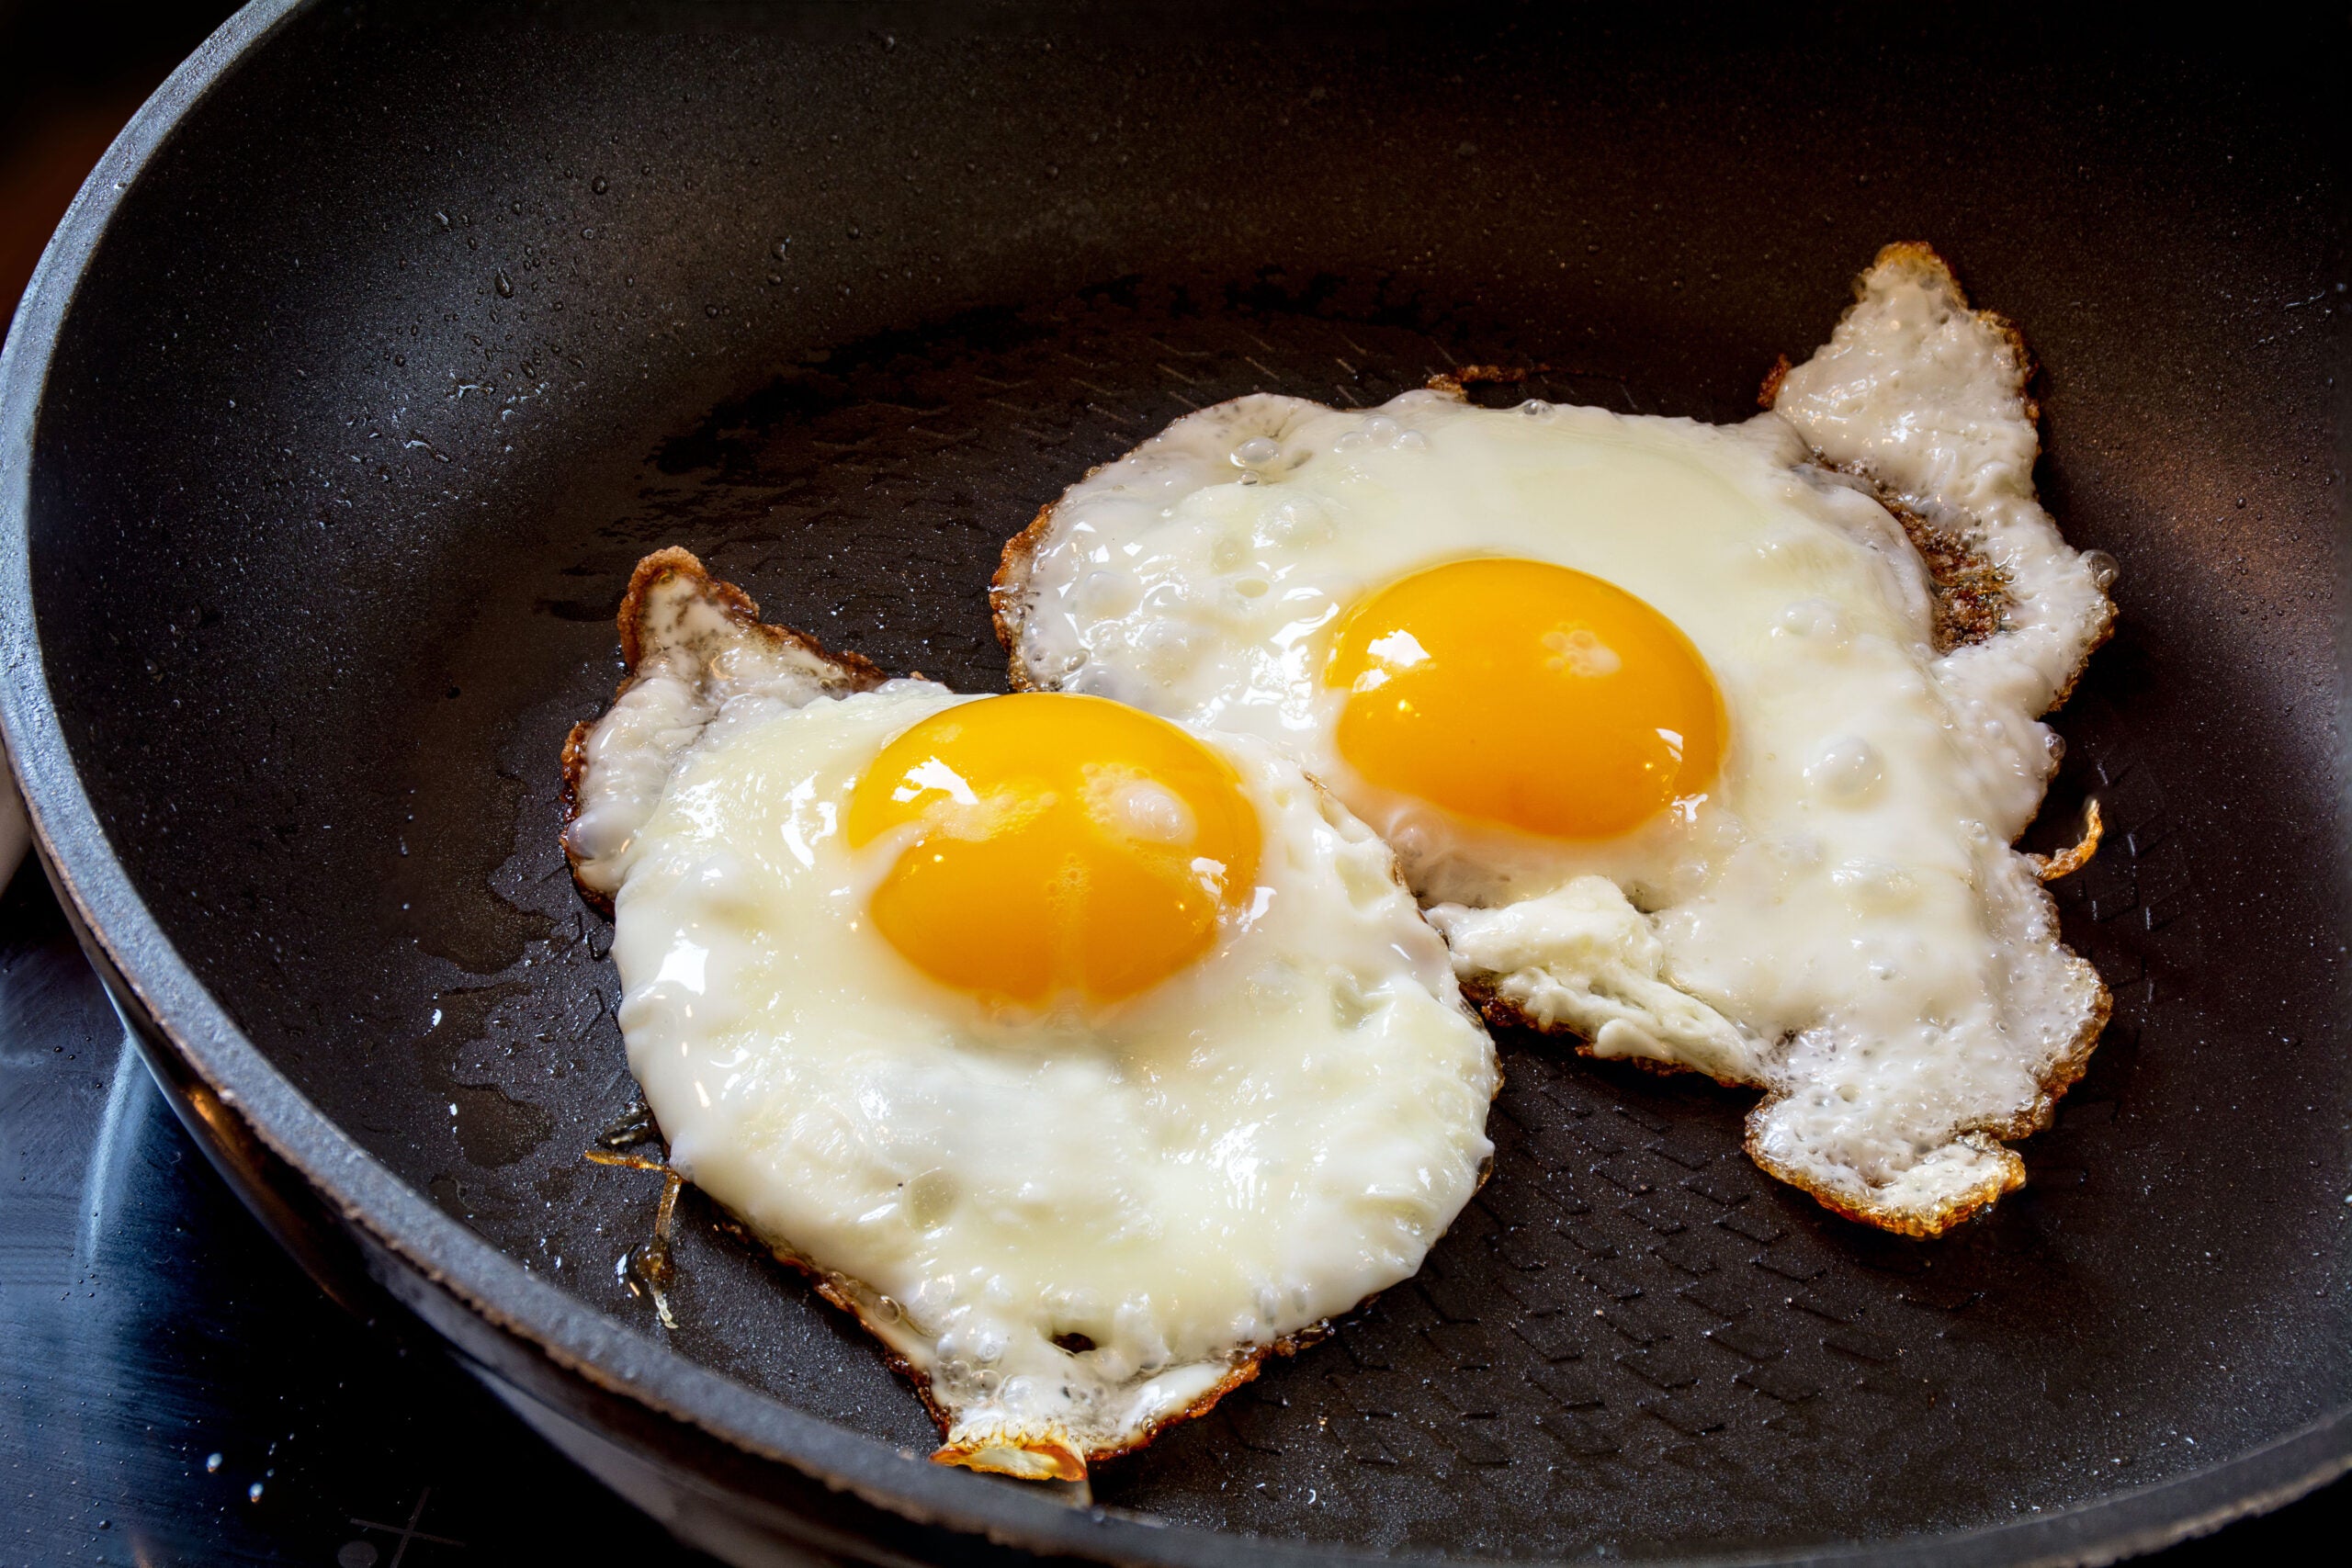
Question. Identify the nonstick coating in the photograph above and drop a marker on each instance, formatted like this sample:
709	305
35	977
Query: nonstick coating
422	325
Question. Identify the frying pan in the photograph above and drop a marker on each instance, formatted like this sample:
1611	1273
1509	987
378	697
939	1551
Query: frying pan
387	337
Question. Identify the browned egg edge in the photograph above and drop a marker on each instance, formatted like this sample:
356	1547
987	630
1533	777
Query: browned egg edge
1064	1461
1970	598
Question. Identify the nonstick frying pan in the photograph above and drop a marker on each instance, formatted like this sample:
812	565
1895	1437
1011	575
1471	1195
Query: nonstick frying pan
389	337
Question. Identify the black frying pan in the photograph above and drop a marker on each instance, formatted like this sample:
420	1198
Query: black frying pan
388	338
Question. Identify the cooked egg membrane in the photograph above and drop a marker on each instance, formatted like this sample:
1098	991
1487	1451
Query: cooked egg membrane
1840	918
1074	1226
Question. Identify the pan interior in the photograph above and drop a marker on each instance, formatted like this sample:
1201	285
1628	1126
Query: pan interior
426	325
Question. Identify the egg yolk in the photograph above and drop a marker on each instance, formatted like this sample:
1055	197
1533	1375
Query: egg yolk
1061	845
1527	694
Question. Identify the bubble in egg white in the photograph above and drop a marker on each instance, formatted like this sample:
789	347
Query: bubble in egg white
1819	619
1847	771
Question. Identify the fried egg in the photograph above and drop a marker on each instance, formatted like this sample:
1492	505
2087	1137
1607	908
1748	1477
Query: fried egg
1084	1058
1689	751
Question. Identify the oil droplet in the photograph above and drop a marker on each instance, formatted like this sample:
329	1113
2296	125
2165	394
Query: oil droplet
505	284
599	184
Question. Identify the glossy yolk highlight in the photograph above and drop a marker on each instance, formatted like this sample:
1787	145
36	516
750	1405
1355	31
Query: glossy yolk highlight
1058	845
1525	693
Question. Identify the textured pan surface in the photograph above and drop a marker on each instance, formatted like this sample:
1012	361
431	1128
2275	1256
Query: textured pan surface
426	326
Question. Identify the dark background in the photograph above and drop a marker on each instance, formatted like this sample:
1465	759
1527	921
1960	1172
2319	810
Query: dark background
145	1324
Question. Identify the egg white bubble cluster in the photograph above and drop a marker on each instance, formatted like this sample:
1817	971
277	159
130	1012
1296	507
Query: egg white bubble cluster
1841	920
1074	1226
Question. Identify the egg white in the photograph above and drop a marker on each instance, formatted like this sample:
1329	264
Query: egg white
1204	1173
1842	921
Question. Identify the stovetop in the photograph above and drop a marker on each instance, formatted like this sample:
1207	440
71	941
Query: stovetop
174	1391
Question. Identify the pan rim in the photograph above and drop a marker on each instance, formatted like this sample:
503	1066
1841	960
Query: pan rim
490	1285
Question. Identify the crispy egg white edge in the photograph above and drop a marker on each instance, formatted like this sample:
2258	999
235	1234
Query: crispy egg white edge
688	693
1915	393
